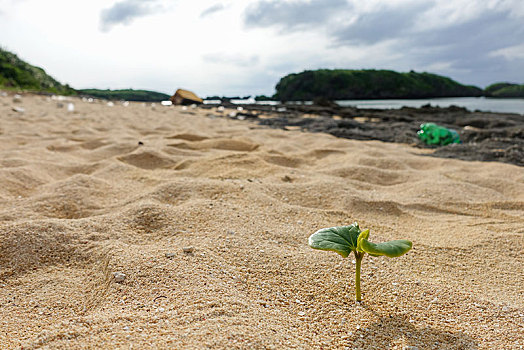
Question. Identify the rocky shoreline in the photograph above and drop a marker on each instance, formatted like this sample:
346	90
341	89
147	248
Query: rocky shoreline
485	136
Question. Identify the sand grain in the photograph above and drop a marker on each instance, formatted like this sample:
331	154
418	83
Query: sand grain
114	189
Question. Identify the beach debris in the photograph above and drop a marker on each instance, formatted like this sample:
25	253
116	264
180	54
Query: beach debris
70	107
185	97
286	178
166	103
346	239
17	98
119	277
170	255
188	249
433	134
159	297
18	109
110	104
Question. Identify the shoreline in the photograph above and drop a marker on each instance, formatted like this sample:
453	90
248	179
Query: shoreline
485	136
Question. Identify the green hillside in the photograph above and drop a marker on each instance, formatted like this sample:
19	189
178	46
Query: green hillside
505	90
126	94
341	84
18	74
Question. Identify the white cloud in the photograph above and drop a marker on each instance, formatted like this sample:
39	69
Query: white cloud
510	53
244	47
212	9
126	11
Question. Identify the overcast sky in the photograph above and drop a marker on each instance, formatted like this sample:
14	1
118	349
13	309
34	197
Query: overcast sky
244	47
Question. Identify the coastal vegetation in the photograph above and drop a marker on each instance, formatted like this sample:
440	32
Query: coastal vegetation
505	90
342	84
126	95
263	98
18	74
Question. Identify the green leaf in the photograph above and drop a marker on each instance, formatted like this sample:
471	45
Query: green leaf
391	248
341	239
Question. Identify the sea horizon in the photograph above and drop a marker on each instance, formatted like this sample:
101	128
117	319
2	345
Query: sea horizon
483	104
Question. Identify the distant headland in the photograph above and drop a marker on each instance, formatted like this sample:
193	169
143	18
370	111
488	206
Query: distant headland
309	85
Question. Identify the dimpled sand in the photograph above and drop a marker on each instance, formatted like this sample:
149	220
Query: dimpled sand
208	219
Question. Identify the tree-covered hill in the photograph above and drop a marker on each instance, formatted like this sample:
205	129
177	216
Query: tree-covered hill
18	74
505	90
126	94
341	84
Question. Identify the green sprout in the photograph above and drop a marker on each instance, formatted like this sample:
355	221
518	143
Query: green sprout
347	239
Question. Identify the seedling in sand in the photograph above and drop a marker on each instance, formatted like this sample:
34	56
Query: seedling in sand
347	239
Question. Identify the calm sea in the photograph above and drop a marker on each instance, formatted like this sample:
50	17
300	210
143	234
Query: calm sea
501	105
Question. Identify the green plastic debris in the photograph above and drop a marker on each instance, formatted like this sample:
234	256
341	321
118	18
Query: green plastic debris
433	134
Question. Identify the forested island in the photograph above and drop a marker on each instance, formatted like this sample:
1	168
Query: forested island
342	84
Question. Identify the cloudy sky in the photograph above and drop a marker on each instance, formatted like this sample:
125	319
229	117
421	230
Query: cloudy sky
243	47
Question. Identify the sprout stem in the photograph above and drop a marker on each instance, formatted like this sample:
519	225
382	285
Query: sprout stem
358	259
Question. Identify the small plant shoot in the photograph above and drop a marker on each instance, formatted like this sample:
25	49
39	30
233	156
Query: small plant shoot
347	239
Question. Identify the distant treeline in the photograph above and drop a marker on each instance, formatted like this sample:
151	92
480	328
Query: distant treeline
229	98
337	84
126	95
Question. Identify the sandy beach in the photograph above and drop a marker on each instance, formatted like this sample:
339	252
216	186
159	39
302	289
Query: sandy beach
208	218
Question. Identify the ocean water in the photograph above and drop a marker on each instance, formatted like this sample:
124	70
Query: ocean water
500	105
485	104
